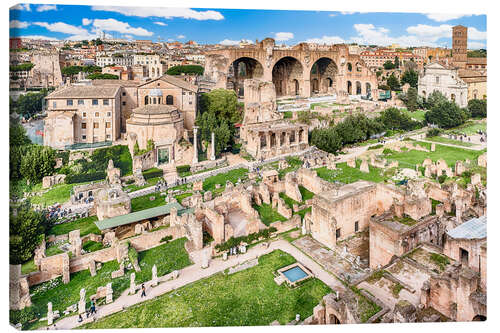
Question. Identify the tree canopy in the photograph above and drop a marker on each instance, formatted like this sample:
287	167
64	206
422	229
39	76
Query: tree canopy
389	65
393	82
477	108
102	76
185	69
446	115
410	77
31	103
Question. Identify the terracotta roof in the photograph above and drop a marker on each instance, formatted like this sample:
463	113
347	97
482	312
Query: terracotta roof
85	92
155	109
468	73
124	83
176	82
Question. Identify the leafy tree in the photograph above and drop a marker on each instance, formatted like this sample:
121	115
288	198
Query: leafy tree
396	62
100	76
26	229
31	103
219	112
435	98
71	70
446	115
394	119
18	141
389	65
410	77
37	162
393	82
481	53
326	139
21	67
477	108
412	99
185	69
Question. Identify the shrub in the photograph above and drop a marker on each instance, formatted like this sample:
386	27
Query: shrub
442	178
375	147
183	168
387	151
166	239
85	177
132	254
152	173
433	132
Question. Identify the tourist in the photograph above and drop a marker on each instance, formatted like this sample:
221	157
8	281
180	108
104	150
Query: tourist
143	294
80	319
92	307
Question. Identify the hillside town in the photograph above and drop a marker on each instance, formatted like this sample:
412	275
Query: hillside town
159	179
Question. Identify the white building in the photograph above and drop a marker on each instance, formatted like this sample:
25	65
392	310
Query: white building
119	61
445	80
153	63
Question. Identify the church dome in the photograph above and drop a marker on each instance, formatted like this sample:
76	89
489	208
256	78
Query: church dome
155	93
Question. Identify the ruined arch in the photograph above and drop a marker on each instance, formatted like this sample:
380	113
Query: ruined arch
358	88
349	87
349	67
368	88
323	71
285	73
170	100
241	69
479	318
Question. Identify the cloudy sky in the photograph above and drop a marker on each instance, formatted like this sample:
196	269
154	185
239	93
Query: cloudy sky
230	26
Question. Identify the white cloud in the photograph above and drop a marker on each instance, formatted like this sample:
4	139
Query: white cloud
45	8
170	40
429	32
86	21
283	36
181	37
332	15
473	33
62	27
229	42
160	23
118	26
326	40
18	24
39	37
20	6
167	13
128	36
443	17
84	36
347	13
476	45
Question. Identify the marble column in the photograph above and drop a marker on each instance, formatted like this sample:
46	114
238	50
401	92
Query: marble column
268	140
195	144
212	151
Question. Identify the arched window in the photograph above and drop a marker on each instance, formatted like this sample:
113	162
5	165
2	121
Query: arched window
146	100
170	100
349	67
154	100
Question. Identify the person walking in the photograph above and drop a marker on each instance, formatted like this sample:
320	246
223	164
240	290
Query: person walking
143	294
92	307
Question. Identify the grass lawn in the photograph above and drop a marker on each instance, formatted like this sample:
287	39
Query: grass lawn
53	250
141	203
167	257
446	140
294	164
249	297
417	115
85	224
267	214
306	194
59	193
182	196
347	175
28	267
449	154
232	176
91	246
149	182
469	128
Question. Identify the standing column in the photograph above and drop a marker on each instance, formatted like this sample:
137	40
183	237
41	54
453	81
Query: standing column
171	154
268	140
212	152
195	144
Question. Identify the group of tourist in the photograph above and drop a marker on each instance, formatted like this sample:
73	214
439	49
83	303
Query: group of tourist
91	311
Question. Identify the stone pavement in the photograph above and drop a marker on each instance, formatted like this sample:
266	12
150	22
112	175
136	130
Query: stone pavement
195	272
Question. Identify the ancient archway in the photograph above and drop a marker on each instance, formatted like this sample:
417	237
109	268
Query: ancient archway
368	88
285	73
314	86
349	67
334	320
242	69
358	88
479	318
349	87
324	71
170	100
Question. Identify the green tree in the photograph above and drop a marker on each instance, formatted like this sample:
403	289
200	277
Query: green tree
446	115
412	99
477	108
396	62
389	65
326	139
410	77
394	119
31	103
219	113
393	82
37	162
100	76
185	69
435	98
26	230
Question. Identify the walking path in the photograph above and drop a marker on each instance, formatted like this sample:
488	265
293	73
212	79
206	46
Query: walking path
194	273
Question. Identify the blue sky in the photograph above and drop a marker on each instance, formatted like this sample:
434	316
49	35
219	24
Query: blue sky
229	26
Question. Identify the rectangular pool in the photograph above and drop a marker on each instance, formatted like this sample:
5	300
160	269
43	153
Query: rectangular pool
295	273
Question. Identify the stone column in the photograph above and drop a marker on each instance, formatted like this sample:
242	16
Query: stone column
212	151
171	154
50	314
132	284
155	275
268	141
195	144
109	293
81	303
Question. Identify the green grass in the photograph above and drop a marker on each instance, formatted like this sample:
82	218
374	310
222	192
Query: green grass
406	220
294	164
306	194
396	289
232	176
446	140
91	246
347	175
168	257
183	196
366	307
28	267
149	182
417	115
53	250
267	214
85	224
450	154
58	194
440	260
141	203
249	297
469	128
288	201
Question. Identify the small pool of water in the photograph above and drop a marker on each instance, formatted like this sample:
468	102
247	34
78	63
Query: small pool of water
294	274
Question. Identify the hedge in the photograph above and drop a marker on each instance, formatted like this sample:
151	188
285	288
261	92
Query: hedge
183	168
152	173
85	177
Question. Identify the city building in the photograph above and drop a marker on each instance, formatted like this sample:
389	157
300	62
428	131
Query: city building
459	45
445	79
377	58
